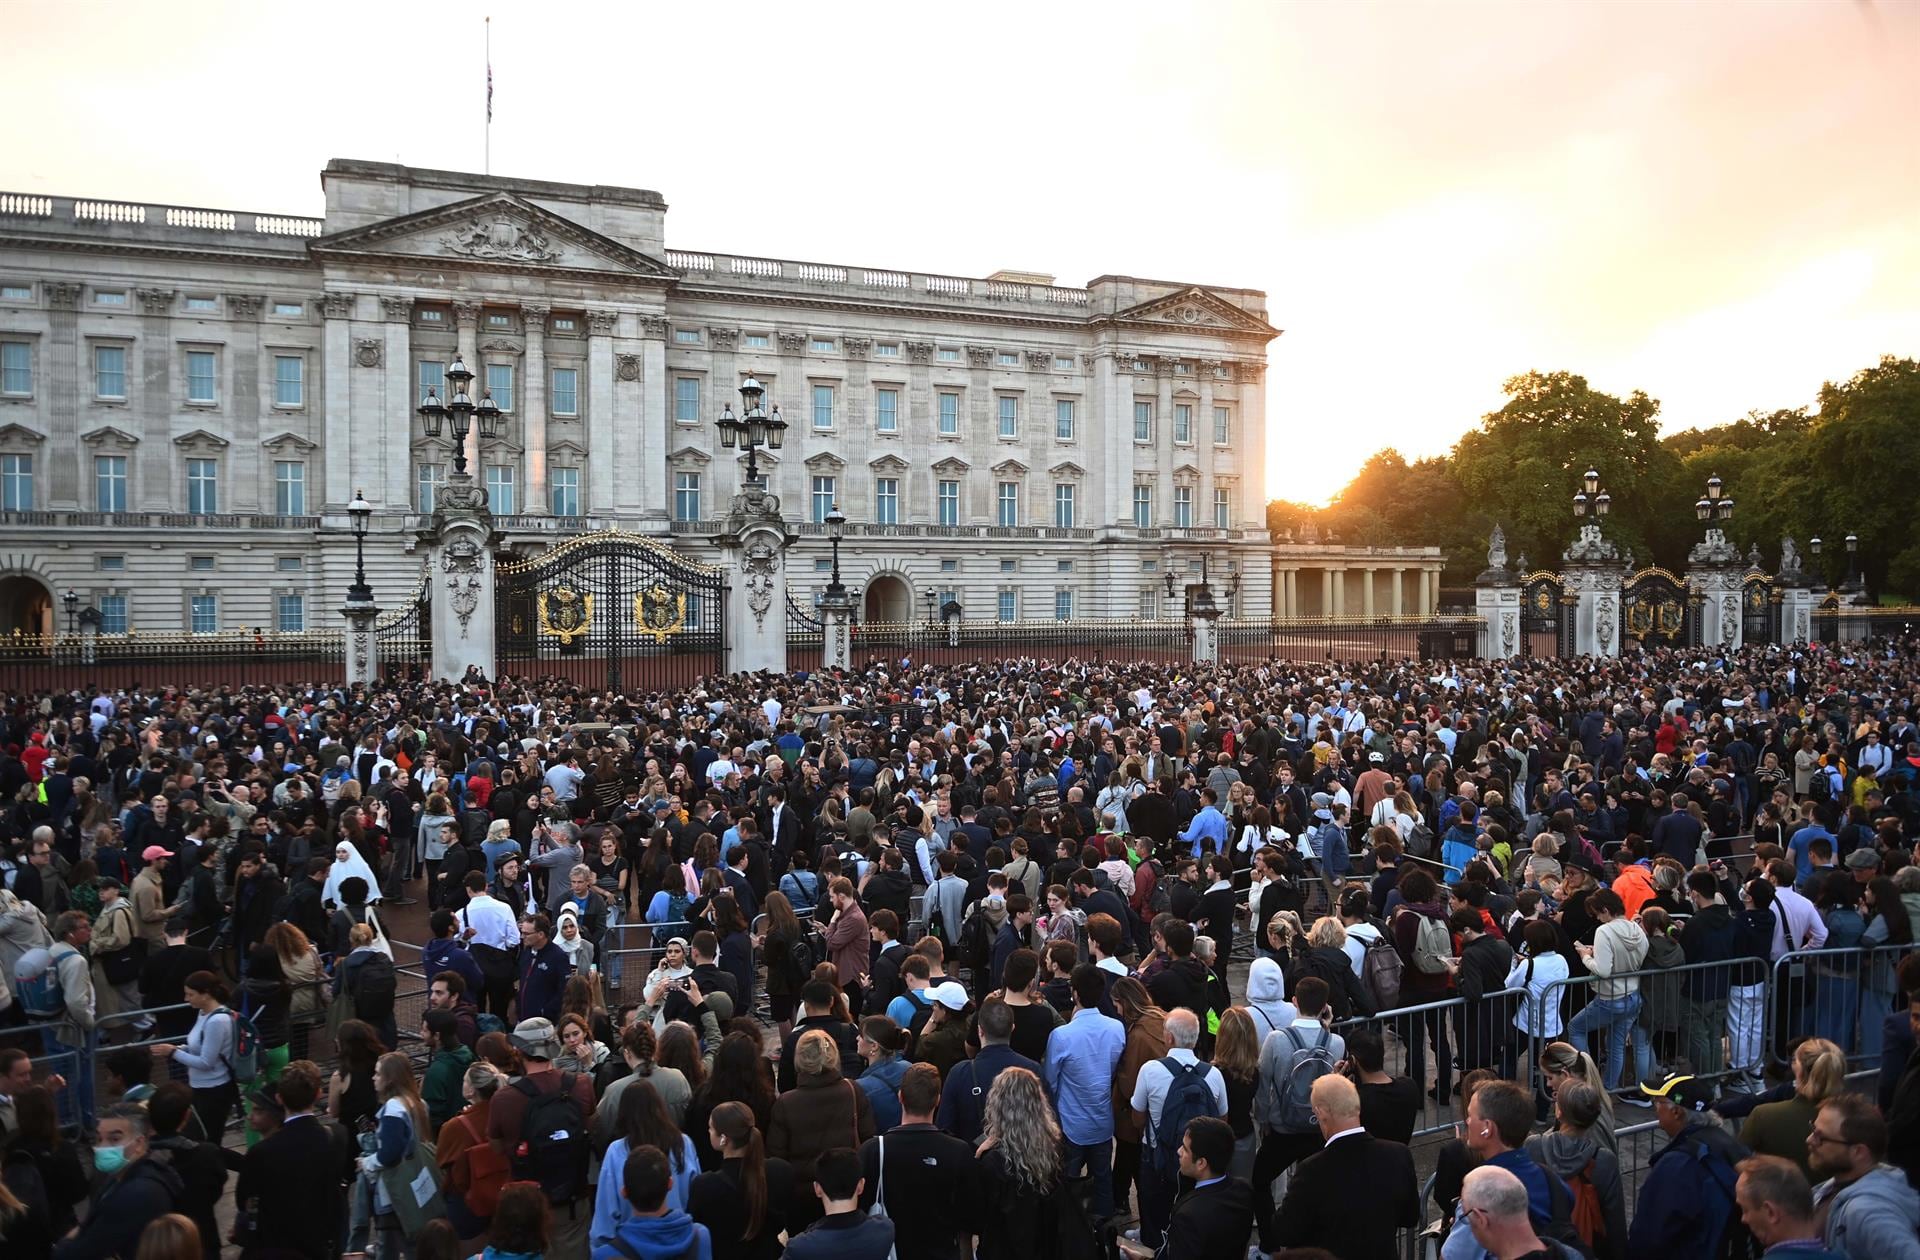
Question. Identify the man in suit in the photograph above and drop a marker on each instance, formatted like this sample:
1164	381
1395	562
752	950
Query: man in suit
1214	1220
783	829
1359	1189
292	1210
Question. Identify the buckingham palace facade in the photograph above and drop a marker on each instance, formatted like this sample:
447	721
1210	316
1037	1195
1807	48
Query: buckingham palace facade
189	398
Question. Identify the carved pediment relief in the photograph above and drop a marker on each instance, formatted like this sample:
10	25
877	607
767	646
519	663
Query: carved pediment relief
1196	309
1010	468
566	449
15	434
1067	468
492	230
690	455
200	439
287	443
107	435
953	464
887	462
825	459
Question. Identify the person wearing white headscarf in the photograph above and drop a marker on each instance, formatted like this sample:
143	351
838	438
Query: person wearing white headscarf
348	863
572	941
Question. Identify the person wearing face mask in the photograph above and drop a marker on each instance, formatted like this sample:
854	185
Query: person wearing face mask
132	1193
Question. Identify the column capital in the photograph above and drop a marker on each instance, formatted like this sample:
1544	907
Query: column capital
600	323
534	314
920	351
856	347
792	342
723	338
340	305
61	296
397	310
156	301
245	305
466	314
1039	360
980	356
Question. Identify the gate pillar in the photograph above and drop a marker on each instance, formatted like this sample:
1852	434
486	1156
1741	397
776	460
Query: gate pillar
1591	569
1496	597
1718	576
460	565
756	537
836	622
1795	595
363	645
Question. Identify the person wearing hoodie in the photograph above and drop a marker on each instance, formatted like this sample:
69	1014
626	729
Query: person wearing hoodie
1708	937
1457	846
1662	995
134	1189
1871	1212
1574	1152
1266	998
654	1229
1619	948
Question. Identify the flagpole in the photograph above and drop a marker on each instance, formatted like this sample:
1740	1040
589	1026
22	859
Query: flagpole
487	157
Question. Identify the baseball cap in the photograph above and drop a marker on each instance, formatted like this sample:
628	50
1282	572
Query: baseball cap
1689	1093
537	1039
154	853
951	996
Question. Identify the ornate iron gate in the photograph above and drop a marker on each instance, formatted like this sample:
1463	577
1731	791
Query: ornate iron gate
1760	609
1657	609
610	609
1546	628
405	635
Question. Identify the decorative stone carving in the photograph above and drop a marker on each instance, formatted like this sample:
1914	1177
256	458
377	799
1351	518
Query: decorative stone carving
461	562
600	323
723	338
62	297
245	305
1209	367
1497	548
156	301
1791	573
398	310
367	351
1509	632
504	347
465	313
500	239
1591	547
627	367
653	327
980	356
1714	550
1249	372
1800	626
1521	566
761	557
1730	620
1606	614
792	342
1753	555
856	347
534	317
1163	365
1040	360
337	305
920	351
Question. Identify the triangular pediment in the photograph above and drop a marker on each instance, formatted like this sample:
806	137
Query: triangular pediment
888	461
20	433
825	459
567	447
289	441
690	455
1067	468
106	434
952	464
200	437
496	231
1197	310
1010	468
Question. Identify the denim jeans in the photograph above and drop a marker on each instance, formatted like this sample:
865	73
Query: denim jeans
1616	1016
1097	1160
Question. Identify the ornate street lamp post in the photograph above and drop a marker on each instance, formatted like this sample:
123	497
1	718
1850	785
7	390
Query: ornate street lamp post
459	412
360	512
753	428
70	600
836	530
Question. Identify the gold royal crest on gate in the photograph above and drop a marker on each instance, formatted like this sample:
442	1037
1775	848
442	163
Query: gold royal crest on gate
660	612
565	613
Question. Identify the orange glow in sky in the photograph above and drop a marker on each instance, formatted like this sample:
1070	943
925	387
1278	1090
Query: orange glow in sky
1713	202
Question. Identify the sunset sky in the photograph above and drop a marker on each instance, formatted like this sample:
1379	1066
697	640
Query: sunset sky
1716	203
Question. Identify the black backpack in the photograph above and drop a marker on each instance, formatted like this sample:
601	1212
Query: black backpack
553	1145
801	960
976	939
374	985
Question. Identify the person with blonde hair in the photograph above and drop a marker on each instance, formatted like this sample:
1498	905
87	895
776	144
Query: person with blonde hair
169	1237
823	1110
1236	1052
401	1124
1561	1063
1819	1070
1019	1166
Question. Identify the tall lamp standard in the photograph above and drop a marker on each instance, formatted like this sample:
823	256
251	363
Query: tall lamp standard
1814	548
753	428
70	600
1590	495
360	512
836	523
1853	562
836	604
459	412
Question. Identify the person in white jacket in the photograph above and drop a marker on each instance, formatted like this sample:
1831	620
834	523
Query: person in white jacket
1619	948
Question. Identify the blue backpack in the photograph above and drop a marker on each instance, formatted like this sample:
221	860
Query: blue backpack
36	978
1189	1096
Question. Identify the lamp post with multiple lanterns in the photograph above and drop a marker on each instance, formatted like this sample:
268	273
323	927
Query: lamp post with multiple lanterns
754	428
459	413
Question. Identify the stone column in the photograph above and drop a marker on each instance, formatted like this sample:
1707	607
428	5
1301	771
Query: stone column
1366	593
336	370
363	645
656	486
1206	642
1590	568
1339	606
1396	600
755	538
1326	590
1716	577
1794	597
1163	440
1293	592
836	616
460	559
1203	444
69	461
1250	445
606	453
395	488
533	395
1496	598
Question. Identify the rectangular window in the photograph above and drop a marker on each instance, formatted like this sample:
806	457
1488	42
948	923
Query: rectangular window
1063	566
113	564
1142	421
200	377
16	367
1222	508
500	489
427	480
1149	603
886	501
886	349
433	376
565	394
500	385
1007	607
756	341
294	308
110	483
687	336
203	304
1007	358
686	496
1063	419
289	564
110	371
289	380
200	564
1183	507
204	614
16	293
498	319
823	406
565	489
1143	507
949	503
113	613
949	414
821	345
949	566
203	490
1063	363
949	354
16	483
686	399
110	297
823	498
1063	605
565	324
886	410
1009	566
1008	503
290	487
1009	416
1182	423
1222	426
823	566
290	614
1063	506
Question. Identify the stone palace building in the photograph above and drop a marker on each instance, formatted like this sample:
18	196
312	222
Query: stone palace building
190	397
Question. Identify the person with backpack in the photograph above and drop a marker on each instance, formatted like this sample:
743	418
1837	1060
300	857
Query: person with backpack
366	978
1686	1204
199	1163
920	1177
1291	1060
118	951
1575	1153
1418	930
542	1124
1499	1116
210	1053
963	1099
54	991
1170	1092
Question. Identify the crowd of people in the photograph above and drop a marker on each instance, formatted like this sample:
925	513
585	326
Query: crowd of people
940	962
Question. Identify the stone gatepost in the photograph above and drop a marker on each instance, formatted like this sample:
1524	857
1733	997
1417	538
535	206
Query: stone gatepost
363	645
1590	569
836	620
460	566
1717	577
756	537
1496	597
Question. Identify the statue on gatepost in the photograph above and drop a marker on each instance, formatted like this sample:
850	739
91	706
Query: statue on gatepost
1496	599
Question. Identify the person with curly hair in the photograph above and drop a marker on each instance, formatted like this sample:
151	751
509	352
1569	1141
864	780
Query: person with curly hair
1019	1166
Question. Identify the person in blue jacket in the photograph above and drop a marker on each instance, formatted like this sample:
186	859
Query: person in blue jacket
655	1229
1457	846
544	970
1687	1196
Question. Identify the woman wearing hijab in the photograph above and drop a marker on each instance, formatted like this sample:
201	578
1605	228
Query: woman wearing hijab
347	863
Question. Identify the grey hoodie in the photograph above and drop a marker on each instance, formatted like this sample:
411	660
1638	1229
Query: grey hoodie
1875	1216
1620	945
1568	1155
1266	996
